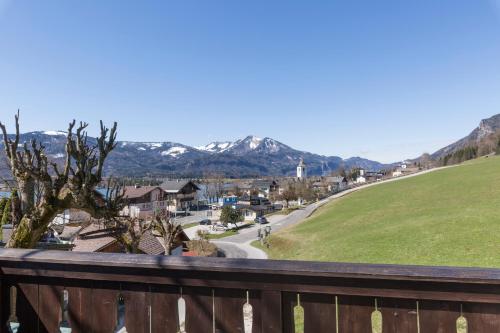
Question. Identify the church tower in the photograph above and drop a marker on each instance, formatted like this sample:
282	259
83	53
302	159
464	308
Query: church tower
301	169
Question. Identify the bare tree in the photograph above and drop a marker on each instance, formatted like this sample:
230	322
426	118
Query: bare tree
168	230
129	232
46	190
289	194
217	182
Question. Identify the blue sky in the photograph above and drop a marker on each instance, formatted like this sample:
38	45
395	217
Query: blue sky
381	79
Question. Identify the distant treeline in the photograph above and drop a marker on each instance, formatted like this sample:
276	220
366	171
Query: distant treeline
488	145
459	156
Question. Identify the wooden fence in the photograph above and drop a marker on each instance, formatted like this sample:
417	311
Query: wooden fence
52	291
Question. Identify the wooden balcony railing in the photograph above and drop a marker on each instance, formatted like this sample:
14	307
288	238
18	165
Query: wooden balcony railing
51	291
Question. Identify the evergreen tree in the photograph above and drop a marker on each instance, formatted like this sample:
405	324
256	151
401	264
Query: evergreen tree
230	215
3	202
6	218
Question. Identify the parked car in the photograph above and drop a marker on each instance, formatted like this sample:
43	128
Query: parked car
219	227
206	222
261	220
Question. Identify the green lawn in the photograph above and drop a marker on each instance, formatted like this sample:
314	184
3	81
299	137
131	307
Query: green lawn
190	225
226	233
446	217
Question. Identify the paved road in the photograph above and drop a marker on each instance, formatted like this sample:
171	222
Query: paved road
278	222
231	250
240	250
196	216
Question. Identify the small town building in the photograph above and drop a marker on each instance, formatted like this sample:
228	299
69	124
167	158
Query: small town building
97	238
144	201
229	200
251	212
361	177
368	176
181	194
264	187
301	169
336	183
405	168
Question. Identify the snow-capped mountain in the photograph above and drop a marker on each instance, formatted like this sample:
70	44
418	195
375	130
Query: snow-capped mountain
247	157
244	146
216	147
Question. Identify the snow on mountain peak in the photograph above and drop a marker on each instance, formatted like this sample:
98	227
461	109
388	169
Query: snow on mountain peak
174	151
54	133
254	142
216	147
271	145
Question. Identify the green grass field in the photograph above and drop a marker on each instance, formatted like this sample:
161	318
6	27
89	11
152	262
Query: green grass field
447	217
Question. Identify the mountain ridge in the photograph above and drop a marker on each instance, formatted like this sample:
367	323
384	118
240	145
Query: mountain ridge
487	127
247	157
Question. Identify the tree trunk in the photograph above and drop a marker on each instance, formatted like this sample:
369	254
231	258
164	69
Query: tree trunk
27	194
31	228
169	244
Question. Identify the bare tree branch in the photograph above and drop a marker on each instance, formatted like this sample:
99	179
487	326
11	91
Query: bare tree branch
45	193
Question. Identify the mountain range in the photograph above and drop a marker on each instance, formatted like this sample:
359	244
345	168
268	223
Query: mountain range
248	157
485	134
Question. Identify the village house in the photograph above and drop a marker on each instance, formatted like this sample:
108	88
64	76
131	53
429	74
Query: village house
368	176
228	200
252	207
144	201
181	194
336	183
264	187
361	177
96	238
405	169
73	216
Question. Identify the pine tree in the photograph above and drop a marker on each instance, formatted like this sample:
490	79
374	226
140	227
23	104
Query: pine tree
3	202
6	218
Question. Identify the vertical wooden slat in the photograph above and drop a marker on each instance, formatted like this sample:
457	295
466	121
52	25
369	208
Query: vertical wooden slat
136	308
5	305
256	302
104	308
27	307
164	308
270	311
355	314
80	309
482	317
199	310
319	313
398	315
49	307
438	317
229	310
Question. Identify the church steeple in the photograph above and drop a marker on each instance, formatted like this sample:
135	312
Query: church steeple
301	169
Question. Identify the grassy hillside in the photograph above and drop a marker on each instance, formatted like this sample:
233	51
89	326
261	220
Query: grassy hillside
446	217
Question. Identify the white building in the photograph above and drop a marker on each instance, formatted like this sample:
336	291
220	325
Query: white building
301	169
361	178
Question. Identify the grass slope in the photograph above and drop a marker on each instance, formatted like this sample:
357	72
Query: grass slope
447	217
